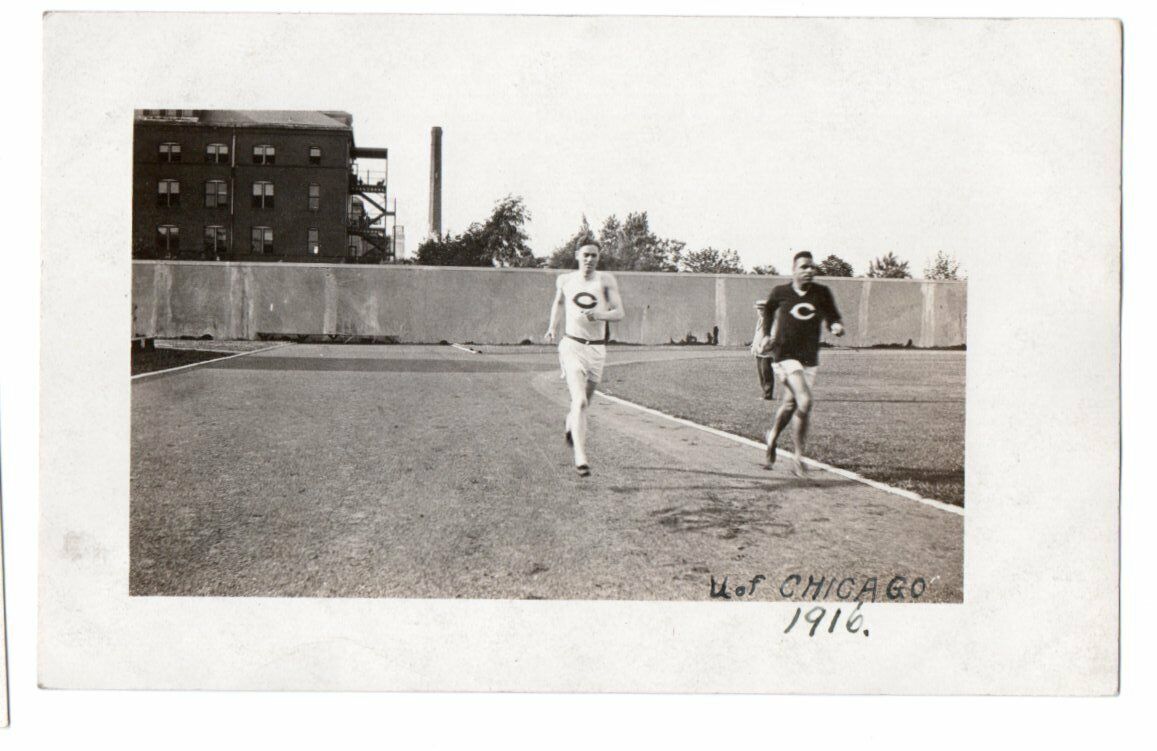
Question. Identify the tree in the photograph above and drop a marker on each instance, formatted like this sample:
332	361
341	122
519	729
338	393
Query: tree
765	270
563	256
888	267
669	252
943	266
833	265
499	241
503	235
627	245
711	261
632	246
450	251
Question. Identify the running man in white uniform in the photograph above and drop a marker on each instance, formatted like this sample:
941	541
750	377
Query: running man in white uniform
590	299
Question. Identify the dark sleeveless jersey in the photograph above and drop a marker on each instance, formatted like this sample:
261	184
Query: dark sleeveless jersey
800	317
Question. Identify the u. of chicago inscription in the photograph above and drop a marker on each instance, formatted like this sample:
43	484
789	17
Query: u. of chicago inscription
895	588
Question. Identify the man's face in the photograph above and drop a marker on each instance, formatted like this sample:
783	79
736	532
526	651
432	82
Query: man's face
588	257
804	270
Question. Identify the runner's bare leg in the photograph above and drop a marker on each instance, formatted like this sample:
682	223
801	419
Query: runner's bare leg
782	418
803	404
576	420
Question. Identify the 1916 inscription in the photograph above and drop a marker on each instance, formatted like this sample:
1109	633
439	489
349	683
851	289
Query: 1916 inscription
853	624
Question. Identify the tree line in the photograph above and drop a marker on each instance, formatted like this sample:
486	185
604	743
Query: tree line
628	244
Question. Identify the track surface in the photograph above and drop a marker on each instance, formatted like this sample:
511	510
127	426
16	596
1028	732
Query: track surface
425	471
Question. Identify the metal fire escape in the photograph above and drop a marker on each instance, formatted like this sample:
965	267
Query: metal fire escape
371	225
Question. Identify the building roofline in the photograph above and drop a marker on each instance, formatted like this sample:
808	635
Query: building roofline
330	120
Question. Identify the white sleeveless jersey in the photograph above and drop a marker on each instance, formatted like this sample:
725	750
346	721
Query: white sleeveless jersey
580	296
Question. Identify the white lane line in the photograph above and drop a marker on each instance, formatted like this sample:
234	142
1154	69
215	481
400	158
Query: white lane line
206	362
464	348
810	462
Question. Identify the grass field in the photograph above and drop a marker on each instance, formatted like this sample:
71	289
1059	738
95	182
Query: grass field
173	353
151	360
334	470
892	416
896	416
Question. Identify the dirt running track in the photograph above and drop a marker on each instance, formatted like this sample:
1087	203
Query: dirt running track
425	471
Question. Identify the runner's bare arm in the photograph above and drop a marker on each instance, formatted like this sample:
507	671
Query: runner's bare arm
769	311
772	330
614	311
555	307
765	334
832	314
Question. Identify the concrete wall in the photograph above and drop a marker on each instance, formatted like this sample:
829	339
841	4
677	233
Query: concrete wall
492	306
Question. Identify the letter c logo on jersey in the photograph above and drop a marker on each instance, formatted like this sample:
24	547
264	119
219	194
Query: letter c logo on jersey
803	311
585	300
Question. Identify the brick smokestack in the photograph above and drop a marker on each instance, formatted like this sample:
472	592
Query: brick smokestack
436	182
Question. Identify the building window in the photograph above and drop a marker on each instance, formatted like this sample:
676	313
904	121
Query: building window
215	243
217	153
262	194
168	239
313	243
170	152
216	194
315	155
262	240
264	154
314	196
168	193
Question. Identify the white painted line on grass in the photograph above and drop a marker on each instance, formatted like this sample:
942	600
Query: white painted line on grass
464	348
811	462
206	362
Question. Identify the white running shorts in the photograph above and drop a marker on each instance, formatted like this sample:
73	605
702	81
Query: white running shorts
587	358
784	368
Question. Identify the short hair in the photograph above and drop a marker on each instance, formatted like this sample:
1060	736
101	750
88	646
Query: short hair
585	243
802	254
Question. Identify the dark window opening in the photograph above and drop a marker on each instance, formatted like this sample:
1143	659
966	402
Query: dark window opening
262	194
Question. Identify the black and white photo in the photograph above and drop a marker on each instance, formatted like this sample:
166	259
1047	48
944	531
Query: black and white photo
569	353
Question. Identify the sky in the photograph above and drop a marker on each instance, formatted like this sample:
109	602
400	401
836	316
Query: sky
765	136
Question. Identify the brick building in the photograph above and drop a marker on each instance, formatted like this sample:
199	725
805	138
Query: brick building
237	185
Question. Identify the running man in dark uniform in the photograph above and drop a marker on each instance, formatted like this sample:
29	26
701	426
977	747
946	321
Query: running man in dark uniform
795	313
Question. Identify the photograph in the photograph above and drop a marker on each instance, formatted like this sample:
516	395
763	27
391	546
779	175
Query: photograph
618	415
510	353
